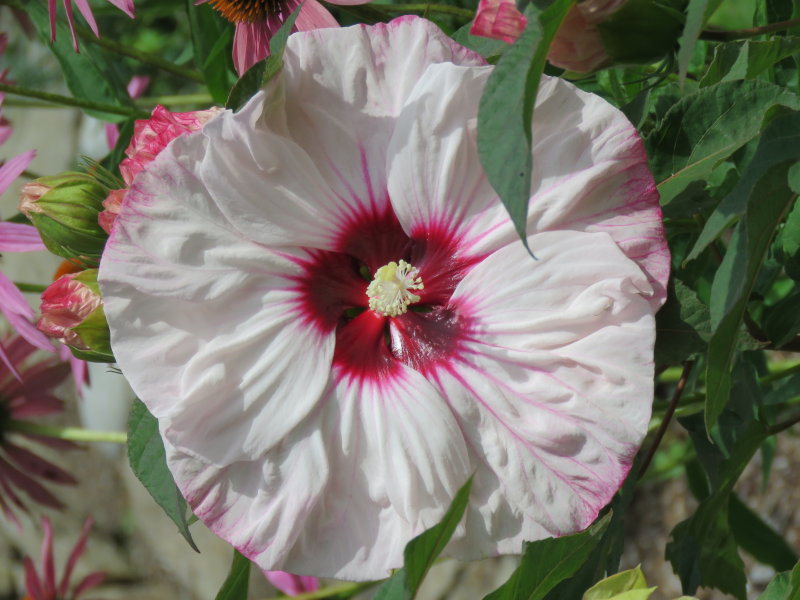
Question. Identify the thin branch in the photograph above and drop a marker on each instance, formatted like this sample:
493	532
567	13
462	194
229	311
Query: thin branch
70	101
779	427
676	397
143	57
441	9
713	35
72	434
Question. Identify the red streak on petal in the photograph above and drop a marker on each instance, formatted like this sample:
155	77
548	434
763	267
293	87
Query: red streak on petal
331	284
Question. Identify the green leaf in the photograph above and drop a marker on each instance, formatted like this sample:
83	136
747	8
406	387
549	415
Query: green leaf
766	196
757	538
211	36
486	47
421	552
682	325
394	588
703	551
704	128
785	586
627	585
89	75
548	562
237	582
697	14
783	320
748	59
506	111
263	71
149	463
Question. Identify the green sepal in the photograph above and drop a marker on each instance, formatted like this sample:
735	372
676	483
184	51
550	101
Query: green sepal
66	215
94	333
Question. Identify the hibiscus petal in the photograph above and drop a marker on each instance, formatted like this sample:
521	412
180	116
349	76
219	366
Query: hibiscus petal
553	388
211	315
345	491
435	176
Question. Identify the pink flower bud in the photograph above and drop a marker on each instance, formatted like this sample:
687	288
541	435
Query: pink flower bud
29	195
498	19
151	136
66	304
111	206
578	45
290	584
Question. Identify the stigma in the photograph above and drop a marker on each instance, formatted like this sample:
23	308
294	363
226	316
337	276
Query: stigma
392	288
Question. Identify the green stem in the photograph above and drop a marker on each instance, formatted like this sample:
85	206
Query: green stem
779	370
344	590
34	288
676	396
441	9
739	34
143	57
72	434
70	101
176	100
30	104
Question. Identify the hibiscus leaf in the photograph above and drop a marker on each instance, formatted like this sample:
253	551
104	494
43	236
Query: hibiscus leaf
548	562
421	552
211	36
89	75
701	130
747	59
237	582
785	586
767	195
506	111
697	13
757	538
486	47
149	463
263	71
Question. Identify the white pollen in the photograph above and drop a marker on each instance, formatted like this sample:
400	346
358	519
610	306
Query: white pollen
390	292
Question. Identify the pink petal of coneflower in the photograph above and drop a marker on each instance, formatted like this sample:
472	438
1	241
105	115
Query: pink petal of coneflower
18	237
74	556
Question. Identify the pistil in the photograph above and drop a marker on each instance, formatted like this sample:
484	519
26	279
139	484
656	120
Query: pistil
392	288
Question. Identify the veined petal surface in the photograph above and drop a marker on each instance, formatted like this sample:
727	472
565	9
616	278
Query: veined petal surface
318	435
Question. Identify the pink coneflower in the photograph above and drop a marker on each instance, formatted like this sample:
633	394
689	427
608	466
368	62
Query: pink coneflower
86	10
17	237
21	470
258	20
45	587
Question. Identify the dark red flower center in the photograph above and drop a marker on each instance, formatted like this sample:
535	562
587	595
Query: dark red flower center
370	345
246	11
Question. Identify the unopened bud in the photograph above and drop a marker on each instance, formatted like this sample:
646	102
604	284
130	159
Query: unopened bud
64	209
72	312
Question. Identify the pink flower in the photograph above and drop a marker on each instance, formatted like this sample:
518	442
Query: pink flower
577	45
498	19
30	396
257	21
44	587
150	136
66	303
326	306
16	237
86	10
292	585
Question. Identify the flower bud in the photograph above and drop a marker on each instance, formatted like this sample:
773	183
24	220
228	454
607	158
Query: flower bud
642	31
72	312
64	209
